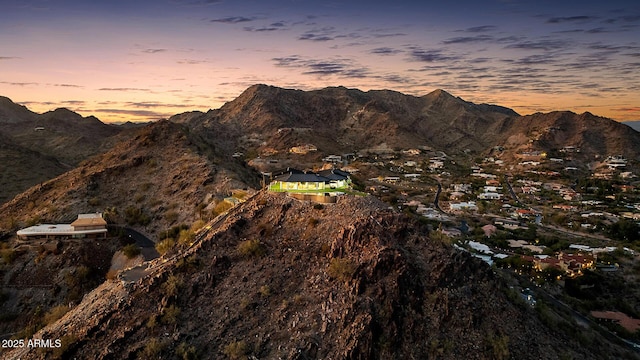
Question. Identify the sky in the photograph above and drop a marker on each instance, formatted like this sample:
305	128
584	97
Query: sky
143	60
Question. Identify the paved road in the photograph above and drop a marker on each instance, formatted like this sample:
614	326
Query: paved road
436	201
147	247
511	192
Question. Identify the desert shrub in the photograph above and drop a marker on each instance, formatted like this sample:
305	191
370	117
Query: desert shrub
237	350
172	285
131	251
134	215
152	322
318	206
186	351
198	225
186	237
499	346
251	249
165	246
55	313
171	216
240	194
8	255
313	222
341	269
65	344
173	232
265	290
220	208
152	349
94	201
34	220
189	264
170	314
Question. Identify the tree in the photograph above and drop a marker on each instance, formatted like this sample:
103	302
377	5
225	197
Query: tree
625	230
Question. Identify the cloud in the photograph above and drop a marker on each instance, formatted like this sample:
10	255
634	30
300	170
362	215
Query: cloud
74	102
626	18
68	85
145	113
153	51
385	51
123	89
234	19
628	109
571	19
275	26
387	35
8	58
430	55
191	62
468	39
537	59
315	37
478	29
546	45
155	104
323	67
18	83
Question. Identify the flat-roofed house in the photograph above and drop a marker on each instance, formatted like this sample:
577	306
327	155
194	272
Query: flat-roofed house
86	226
300	181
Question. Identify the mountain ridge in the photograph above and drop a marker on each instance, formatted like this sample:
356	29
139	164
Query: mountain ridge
401	296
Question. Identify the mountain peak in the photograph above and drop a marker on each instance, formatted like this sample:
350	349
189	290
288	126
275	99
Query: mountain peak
12	112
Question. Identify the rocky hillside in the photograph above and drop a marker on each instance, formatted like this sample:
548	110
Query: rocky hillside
21	168
159	177
37	147
342	120
593	135
280	278
266	120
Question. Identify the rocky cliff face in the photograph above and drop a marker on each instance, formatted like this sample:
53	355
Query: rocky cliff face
280	278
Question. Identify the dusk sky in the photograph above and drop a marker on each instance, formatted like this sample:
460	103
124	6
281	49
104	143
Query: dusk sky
144	60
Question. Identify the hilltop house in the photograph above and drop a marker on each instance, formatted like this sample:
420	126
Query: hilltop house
295	180
85	226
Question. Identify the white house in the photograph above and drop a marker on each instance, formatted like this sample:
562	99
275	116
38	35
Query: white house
490	196
86	226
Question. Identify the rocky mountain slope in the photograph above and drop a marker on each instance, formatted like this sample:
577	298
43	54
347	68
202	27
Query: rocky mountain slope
281	278
21	168
159	177
37	147
341	119
592	135
266	119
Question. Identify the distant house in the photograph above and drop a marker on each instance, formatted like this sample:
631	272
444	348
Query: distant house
507	224
333	159
86	226
303	149
490	196
471	205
